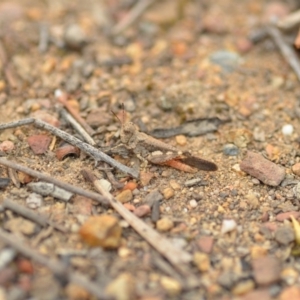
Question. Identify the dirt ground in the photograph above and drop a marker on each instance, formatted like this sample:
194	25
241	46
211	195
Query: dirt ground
180	62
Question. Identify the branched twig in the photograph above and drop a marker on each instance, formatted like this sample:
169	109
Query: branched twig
97	154
77	127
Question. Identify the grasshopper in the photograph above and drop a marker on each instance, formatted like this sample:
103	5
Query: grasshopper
150	149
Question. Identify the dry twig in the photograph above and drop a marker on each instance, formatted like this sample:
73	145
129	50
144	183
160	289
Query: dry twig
95	153
132	16
58	268
178	258
31	215
286	50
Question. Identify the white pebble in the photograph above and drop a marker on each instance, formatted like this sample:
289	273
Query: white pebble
34	201
58	93
287	129
227	226
193	203
106	185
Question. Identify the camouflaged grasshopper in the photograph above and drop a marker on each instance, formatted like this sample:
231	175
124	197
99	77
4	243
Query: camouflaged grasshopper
149	149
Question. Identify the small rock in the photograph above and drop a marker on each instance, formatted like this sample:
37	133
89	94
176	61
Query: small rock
20	225
205	244
155	212
258	251
39	143
34	201
153	196
142	210
243	287
228	279
202	261
289	275
259	135
105	184
287	129
296	169
168	193
284	235
75	292
145	177
266	171
131	185
193	203
290	293
75	37
82	206
25	266
180	140
286	215
230	150
175	185
103	231
227	60
164	224
7	255
227	226
266	270
257	294
172	286
122	288
4	182
7	146
124	196
195	181
296	190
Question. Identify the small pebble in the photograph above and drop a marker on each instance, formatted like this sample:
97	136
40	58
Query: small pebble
290	293
286	215
39	143
164	224
105	184
155	212
153	196
122	288
287	129
168	193
125	196
103	231
181	140
195	181
75	37
296	190
34	201
7	146
230	150
266	270
289	275
243	287
193	203
205	243
228	225
266	171
296	169
284	235
175	185
202	261
4	182
142	210
172	286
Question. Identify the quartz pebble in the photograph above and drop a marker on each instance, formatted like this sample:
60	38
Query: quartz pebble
193	203
287	129
172	286
266	171
227	226
122	288
7	146
296	169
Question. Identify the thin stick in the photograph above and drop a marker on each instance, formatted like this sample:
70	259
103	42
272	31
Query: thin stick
54	265
77	127
31	215
74	113
175	256
43	37
132	16
285	49
290	21
73	189
97	154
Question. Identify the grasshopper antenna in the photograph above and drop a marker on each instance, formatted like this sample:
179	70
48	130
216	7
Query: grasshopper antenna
116	116
123	116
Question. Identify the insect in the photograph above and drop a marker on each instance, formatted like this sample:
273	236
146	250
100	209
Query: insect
148	148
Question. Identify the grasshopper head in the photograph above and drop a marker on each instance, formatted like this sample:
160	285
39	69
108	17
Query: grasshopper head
128	130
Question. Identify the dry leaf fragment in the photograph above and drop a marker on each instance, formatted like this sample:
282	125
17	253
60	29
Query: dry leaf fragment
296	229
39	143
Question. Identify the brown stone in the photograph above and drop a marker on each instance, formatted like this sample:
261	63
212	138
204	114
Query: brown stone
205	243
266	171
